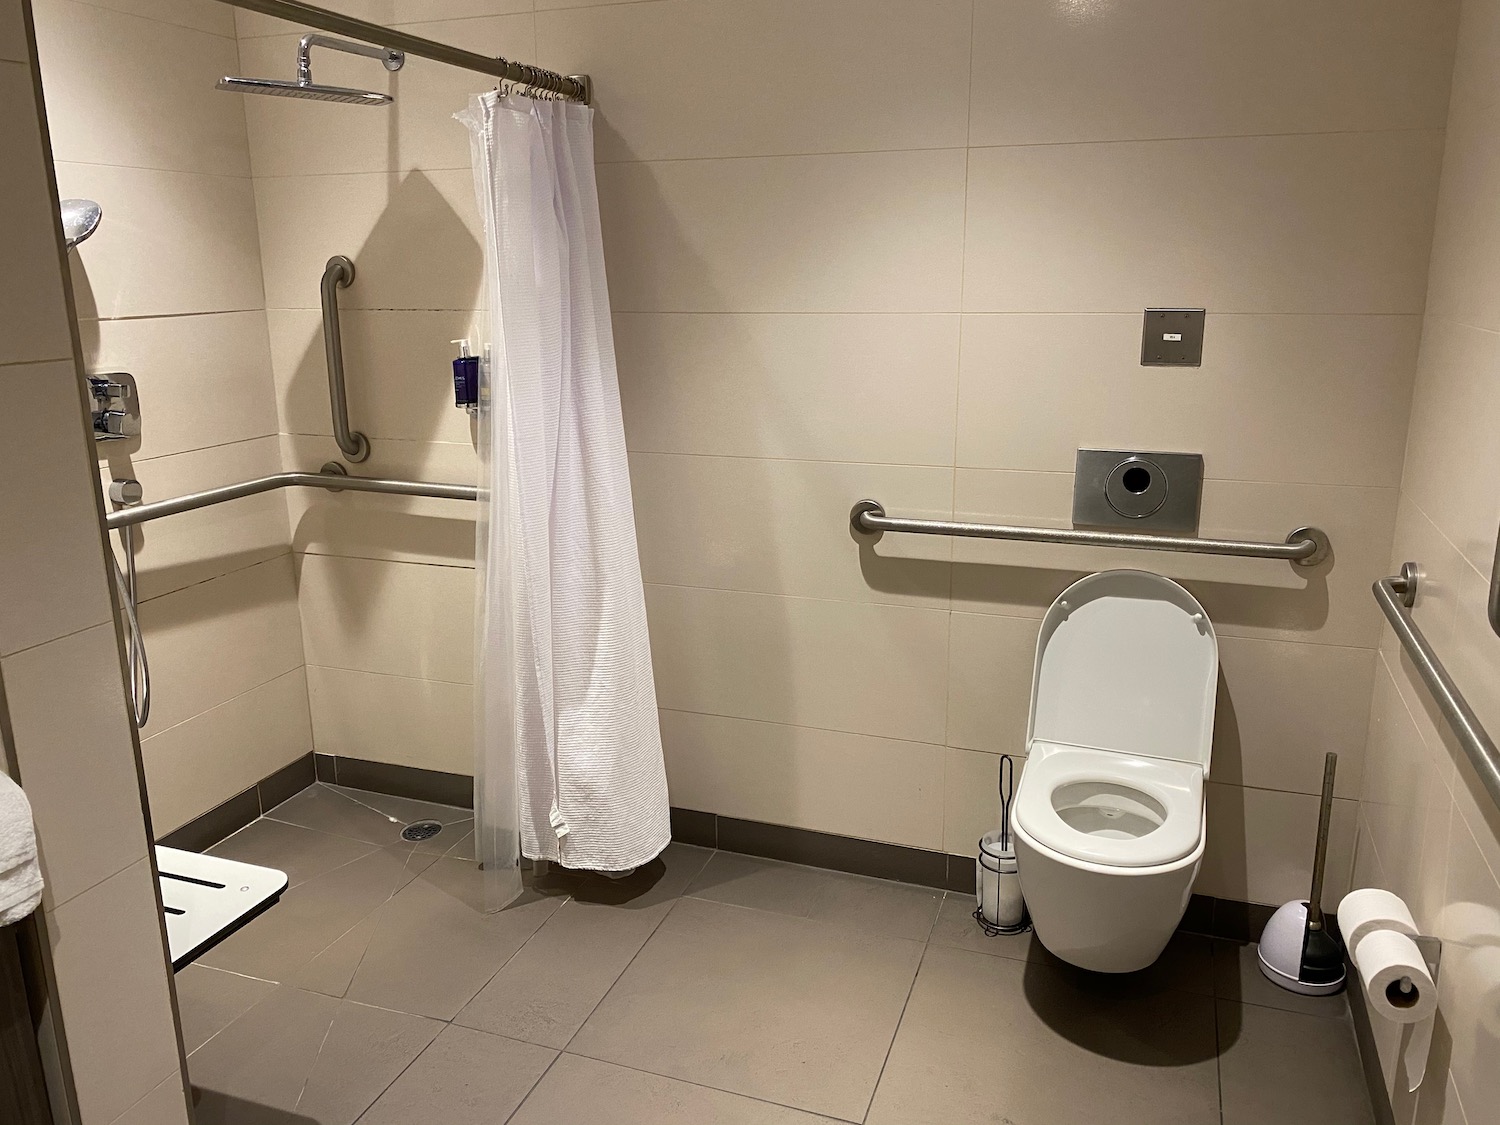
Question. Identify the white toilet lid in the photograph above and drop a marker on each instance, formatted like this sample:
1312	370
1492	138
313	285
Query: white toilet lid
1127	661
1176	787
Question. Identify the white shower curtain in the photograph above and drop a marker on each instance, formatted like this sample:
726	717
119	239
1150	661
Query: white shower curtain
569	758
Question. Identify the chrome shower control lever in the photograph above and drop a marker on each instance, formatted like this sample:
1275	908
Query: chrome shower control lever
115	408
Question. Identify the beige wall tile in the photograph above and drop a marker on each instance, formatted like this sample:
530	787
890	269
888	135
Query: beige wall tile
390	13
1243	597
1452	458
292	137
413	238
398	619
848	784
1467	234
1046	72
398	372
13	46
1336	223
77	764
51	547
871	387
109	958
971	798
871	232
1475	660
861	668
200	15
112	80
651	64
1260	845
990	662
170	242
196	546
782	527
1282	706
1471	971
407	529
202	380
218	639
34	321
196	764
1033	389
423	723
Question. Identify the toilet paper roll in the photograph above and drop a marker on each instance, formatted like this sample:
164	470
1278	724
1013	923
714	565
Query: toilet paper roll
1363	911
1398	987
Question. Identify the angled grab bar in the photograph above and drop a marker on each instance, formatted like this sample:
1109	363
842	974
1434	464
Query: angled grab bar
1306	546
332	481
339	274
1397	593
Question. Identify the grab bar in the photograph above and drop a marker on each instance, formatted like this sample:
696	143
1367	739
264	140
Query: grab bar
339	274
330	478
1397	593
1306	546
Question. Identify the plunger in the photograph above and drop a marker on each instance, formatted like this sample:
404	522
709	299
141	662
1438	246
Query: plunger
1297	950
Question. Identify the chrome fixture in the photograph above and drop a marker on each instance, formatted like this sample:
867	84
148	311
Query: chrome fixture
305	87
339	274
574	87
333	482
1396	594
1147	491
125	494
80	218
114	406
1306	546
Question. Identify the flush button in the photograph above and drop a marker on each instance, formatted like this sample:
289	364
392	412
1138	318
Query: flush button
1136	488
1140	490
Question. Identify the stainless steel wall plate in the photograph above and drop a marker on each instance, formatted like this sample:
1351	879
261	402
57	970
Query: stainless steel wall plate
1141	491
1172	338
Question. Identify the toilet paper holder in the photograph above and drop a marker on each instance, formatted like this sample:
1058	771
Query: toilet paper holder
1431	949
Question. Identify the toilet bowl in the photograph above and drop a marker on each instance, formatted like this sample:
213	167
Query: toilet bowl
1108	818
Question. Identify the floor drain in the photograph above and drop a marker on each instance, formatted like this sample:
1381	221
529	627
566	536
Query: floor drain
421	830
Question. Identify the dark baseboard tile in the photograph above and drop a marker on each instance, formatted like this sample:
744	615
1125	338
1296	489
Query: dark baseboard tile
398	781
228	817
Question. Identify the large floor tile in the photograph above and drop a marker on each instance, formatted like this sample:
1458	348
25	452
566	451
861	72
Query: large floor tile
988	1039
546	991
463	1078
298	1057
308	919
340	813
875	905
579	1089
1237	977
302	853
1283	1066
431	946
786	1009
209	1000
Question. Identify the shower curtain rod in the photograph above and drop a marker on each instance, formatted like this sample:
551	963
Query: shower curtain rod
333	481
574	87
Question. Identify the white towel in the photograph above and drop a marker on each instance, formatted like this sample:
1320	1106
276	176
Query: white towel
20	874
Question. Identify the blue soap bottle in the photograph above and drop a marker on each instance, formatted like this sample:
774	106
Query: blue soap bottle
465	378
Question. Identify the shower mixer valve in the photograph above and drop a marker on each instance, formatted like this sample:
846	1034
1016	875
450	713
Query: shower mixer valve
114	407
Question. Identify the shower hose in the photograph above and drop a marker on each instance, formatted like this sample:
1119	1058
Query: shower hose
135	652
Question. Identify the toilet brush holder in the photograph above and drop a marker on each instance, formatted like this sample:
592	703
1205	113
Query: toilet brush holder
997	887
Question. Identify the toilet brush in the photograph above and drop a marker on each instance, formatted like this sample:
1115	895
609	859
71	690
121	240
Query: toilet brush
1297	950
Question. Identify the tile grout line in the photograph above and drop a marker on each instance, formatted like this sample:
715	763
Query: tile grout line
870	1105
532	1088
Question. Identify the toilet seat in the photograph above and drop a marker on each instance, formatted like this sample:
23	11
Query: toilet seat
1113	785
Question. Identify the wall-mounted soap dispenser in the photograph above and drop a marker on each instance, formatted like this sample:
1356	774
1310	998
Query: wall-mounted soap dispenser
465	378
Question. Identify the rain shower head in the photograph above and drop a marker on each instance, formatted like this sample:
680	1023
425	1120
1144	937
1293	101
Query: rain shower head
80	217
305	87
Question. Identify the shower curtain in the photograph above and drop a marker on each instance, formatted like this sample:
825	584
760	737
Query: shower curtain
569	760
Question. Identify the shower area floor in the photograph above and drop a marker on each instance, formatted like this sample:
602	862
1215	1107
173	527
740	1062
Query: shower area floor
708	987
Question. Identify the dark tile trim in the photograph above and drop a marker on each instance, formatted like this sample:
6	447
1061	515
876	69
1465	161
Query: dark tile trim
228	817
841	853
1369	1057
326	767
401	781
689	826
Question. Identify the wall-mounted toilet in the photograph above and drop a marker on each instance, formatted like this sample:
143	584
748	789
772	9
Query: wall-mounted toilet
1108	818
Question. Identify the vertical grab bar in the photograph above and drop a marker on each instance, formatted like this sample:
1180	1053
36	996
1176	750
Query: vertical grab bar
339	274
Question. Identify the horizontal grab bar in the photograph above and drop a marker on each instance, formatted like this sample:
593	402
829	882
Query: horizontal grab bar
1397	593
1306	546
333	481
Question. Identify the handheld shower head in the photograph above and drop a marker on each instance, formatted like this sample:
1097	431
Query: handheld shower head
305	87
80	218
